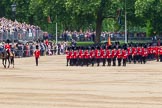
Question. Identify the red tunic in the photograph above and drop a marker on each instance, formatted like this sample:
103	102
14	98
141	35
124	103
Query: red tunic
108	53
119	53
139	51
7	47
124	54
129	51
75	54
92	54
101	53
113	53
144	52
37	53
97	54
134	51
160	51
86	55
80	55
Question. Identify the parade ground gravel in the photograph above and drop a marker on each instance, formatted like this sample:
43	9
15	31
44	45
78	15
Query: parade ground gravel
54	85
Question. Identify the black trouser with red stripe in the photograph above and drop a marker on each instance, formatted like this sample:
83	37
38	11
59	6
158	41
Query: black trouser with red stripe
119	61
67	63
86	61
109	61
71	61
160	57
92	61
144	59
140	59
124	61
114	61
98	61
74	61
134	59
104	61
80	61
129	58
36	61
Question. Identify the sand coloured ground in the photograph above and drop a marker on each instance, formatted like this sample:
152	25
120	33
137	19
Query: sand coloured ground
54	85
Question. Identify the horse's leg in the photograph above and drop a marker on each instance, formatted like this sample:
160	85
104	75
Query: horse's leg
5	62
12	61
8	62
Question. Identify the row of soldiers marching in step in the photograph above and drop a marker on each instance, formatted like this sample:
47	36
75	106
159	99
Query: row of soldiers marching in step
108	55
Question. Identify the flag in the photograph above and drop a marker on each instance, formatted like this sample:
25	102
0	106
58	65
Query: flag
49	19
109	41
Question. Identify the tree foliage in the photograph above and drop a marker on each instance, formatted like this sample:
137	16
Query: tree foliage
99	15
150	10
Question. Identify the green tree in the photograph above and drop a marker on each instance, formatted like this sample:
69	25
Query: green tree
98	9
150	10
5	8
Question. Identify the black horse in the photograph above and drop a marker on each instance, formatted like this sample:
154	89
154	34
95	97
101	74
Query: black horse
7	56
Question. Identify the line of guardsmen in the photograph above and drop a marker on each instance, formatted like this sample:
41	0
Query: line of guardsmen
107	55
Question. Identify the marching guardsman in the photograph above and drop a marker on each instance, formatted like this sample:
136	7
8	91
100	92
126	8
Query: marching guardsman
124	56
154	51
149	52
74	56
67	56
119	56
108	55
134	54
86	57
129	54
139	54
80	57
71	57
144	54
92	56
157	48
160	54
102	56
139	51
97	55
113	54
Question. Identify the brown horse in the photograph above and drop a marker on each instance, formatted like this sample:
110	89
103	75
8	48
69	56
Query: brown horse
7	56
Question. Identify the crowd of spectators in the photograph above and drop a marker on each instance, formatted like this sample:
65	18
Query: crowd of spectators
23	47
90	35
26	49
22	30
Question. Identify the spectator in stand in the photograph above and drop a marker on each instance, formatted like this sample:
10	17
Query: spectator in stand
7	26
